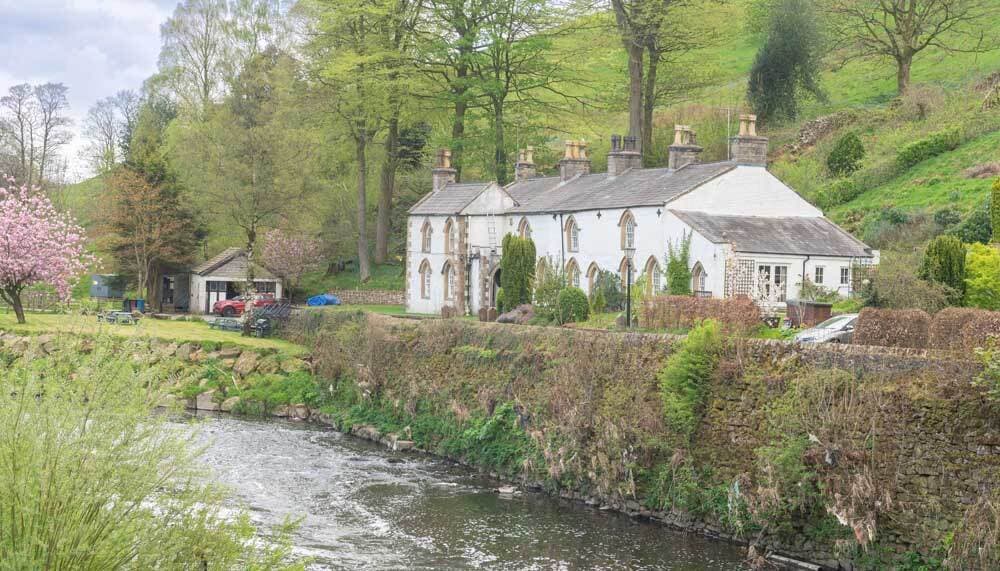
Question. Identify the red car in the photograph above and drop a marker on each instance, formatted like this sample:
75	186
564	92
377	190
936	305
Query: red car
235	306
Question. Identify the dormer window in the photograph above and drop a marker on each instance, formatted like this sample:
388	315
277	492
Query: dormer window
425	237
572	235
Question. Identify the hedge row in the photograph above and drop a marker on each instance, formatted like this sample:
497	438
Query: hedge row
932	146
952	329
736	314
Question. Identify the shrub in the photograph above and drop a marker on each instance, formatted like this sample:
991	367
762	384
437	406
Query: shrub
678	270
982	283
501	308
895	285
597	302
893	328
932	146
846	156
517	270
838	192
963	328
684	379
734	314
573	305
947	217
944	263
547	288
976	228
609	285
995	210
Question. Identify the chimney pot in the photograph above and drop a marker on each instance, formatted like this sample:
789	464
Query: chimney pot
442	174
575	161
684	151
623	156
525	167
748	148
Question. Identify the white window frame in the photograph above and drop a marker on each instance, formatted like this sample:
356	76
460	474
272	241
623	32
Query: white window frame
450	280
845	276
425	282
819	274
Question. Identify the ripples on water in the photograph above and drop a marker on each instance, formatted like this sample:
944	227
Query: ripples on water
363	508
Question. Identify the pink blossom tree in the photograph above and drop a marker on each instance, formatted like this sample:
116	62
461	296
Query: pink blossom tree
290	256
38	245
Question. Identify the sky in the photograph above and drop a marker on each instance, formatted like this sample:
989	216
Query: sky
94	47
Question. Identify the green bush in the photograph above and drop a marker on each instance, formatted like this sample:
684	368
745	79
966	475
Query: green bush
975	228
597	302
982	281
678	270
932	146
500	303
947	217
838	192
547	287
517	270
573	305
944	263
995	211
609	286
846	156
685	377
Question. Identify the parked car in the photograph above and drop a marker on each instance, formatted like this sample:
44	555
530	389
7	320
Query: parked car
838	329
237	305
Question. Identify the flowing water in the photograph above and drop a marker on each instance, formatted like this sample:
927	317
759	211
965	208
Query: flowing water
364	507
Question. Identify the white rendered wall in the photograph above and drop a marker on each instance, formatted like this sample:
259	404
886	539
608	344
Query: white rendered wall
746	191
414	259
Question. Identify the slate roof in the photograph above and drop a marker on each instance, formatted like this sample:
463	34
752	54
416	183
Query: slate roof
638	187
231	262
449	200
804	236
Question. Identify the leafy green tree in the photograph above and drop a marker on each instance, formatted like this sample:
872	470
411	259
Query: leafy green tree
678	266
788	64
944	263
977	227
982	282
995	210
517	270
846	155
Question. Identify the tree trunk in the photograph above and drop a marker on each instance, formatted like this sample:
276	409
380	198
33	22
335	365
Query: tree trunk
383	222
458	135
15	302
635	91
903	64
648	106
361	148
499	147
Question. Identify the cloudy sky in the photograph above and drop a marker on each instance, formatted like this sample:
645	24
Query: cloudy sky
95	47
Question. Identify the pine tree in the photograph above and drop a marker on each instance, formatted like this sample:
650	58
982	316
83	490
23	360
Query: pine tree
944	263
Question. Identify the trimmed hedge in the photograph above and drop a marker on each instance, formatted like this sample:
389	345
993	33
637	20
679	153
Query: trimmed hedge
893	328
964	328
735	314
932	146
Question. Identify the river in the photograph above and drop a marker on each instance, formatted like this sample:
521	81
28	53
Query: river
364	507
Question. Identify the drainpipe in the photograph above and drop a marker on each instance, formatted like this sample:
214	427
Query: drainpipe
562	248
802	282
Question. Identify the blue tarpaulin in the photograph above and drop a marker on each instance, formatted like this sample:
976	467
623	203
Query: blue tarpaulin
323	299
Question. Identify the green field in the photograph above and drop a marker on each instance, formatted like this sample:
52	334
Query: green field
182	331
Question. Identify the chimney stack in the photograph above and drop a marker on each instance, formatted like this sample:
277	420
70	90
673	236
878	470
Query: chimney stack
685	149
747	148
442	174
624	155
575	161
525	166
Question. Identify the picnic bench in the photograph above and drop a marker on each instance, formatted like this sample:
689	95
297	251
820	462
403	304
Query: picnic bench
117	317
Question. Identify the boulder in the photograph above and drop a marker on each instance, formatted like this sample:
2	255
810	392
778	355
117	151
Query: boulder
298	412
367	432
267	365
520	315
229	353
206	401
507	490
280	411
184	351
245	364
402	445
229	404
290	366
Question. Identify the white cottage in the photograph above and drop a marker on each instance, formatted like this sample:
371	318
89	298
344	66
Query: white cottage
744	224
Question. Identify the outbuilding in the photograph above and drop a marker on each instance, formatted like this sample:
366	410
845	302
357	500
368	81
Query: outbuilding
221	277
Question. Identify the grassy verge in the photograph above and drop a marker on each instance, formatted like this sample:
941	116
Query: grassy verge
193	331
384	277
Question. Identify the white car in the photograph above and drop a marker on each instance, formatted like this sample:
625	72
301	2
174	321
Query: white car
839	329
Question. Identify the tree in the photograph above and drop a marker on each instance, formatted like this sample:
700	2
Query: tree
899	30
982	283
678	266
33	127
38	245
149	228
194	51
944	263
517	270
101	128
788	64
995	210
290	256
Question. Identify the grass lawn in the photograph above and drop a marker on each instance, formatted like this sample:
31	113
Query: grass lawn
193	331
384	277
383	309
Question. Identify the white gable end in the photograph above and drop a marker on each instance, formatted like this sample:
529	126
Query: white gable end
746	191
493	200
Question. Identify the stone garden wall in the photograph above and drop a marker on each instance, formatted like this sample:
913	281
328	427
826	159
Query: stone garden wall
370	297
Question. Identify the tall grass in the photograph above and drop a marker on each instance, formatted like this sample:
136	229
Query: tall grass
91	479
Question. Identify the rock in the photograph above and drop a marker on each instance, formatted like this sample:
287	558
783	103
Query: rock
184	351
168	401
245	364
293	365
280	412
298	412
367	432
197	356
191	404
206	401
267	365
402	445
228	363
507	490
229	404
520	315
229	353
